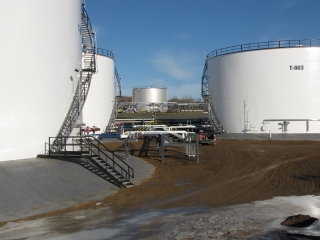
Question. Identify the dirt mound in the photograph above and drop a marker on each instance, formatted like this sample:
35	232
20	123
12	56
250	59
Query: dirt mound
299	221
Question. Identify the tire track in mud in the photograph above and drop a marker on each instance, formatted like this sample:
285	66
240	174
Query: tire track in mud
229	164
256	179
281	178
302	183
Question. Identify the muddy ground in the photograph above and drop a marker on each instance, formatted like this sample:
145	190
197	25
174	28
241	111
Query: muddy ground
231	172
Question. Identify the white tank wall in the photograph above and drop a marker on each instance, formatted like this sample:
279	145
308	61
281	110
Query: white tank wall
149	95
40	49
264	82
99	104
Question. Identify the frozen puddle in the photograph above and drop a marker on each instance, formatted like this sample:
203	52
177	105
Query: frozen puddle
257	220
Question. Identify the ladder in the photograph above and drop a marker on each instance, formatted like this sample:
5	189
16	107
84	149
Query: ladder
191	150
214	122
80	95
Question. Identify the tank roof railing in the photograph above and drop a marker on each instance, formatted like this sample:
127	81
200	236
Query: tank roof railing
105	53
265	45
161	87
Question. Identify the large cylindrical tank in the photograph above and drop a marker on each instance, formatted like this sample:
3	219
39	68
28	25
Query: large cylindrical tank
40	50
279	84
149	95
99	104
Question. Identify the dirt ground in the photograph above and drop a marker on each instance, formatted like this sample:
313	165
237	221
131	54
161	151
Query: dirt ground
231	172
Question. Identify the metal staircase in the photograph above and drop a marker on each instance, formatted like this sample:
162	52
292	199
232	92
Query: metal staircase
112	164
80	95
98	156
111	127
214	122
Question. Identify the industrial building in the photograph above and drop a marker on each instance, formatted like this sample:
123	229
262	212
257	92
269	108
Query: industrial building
48	60
264	87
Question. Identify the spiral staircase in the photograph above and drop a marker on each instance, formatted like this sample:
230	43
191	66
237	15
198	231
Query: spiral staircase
214	122
80	95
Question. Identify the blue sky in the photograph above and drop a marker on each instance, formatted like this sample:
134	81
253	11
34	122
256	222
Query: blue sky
163	42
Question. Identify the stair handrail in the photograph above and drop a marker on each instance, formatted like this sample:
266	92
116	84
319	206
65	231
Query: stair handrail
88	23
128	173
87	144
83	85
207	99
118	83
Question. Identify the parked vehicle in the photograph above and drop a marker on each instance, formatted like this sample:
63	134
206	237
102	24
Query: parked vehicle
205	138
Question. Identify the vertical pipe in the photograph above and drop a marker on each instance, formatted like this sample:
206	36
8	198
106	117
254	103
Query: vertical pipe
126	149
269	131
244	115
162	148
197	146
49	146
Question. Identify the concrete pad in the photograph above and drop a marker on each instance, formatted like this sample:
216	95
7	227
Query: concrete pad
142	169
38	185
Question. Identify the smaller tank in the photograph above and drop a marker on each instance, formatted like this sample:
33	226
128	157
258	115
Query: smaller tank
150	99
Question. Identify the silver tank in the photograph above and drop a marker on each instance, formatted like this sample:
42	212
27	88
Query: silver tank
150	97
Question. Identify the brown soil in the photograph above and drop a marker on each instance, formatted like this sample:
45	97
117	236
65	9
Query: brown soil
232	172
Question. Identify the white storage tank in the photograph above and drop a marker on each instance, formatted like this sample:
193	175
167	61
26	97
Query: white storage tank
150	98
262	87
40	50
99	104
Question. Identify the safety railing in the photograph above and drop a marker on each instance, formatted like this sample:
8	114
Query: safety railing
80	95
79	145
105	53
265	45
125	170
85	18
142	87
117	82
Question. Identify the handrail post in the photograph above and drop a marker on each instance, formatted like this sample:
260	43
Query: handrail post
98	149
65	147
49	146
126	149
